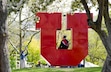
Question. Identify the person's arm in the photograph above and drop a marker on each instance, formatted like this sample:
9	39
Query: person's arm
26	53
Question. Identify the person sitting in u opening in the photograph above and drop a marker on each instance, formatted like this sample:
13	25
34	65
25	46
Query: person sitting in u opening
64	43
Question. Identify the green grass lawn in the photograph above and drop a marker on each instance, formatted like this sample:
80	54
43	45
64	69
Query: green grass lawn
95	69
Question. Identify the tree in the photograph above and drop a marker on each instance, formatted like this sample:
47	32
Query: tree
4	59
14	6
103	13
20	33
17	7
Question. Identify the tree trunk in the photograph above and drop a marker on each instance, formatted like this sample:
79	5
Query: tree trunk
107	43
20	39
4	60
22	61
107	65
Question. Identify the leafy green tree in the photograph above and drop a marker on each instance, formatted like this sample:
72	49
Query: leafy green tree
12	62
34	51
97	53
102	7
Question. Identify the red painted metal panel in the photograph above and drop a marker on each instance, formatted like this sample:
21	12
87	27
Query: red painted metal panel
49	24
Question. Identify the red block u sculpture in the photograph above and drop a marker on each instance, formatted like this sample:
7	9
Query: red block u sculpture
49	23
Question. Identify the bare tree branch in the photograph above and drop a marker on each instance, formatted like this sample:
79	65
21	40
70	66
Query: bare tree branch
106	10
27	18
107	17
20	4
13	20
87	9
89	20
31	39
13	46
100	14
